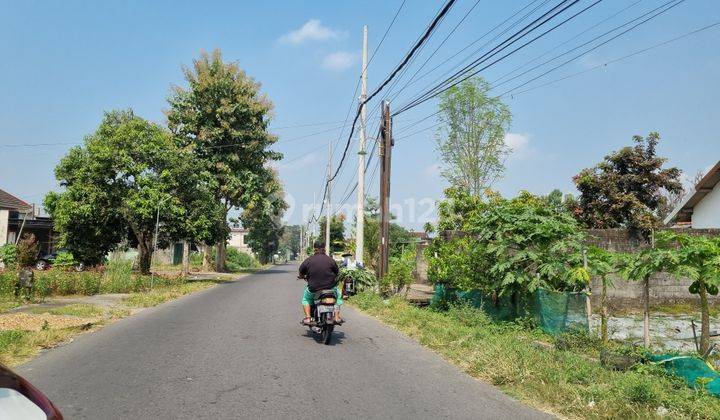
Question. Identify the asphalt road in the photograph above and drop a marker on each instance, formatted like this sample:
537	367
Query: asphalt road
237	351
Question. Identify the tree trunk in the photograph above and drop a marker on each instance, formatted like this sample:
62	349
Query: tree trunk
186	258
705	315
206	257
646	312
603	313
220	256
144	255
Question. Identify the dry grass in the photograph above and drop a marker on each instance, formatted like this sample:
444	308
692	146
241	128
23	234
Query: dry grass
565	383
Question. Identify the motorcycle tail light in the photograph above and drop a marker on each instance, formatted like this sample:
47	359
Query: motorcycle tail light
328	300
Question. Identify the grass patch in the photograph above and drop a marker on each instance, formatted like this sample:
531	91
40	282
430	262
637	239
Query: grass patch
79	309
562	382
18	346
162	294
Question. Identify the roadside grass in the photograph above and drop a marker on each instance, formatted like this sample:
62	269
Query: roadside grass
566	383
18	346
162	294
79	309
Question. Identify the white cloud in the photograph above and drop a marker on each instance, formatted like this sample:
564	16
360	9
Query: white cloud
312	30
340	60
516	141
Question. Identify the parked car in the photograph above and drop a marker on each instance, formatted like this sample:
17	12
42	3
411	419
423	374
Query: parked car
46	261
19	400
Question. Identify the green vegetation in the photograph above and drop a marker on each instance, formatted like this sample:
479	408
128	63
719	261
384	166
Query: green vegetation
238	260
506	246
568	383
165	293
471	139
627	189
399	273
221	106
8	255
79	309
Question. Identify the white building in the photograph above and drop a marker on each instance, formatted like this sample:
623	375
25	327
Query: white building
237	240
701	208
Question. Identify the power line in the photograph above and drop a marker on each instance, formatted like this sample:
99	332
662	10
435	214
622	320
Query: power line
594	48
430	29
615	60
385	34
395	95
480	39
495	85
440	88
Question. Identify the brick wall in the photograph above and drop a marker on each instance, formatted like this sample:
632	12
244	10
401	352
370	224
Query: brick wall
664	288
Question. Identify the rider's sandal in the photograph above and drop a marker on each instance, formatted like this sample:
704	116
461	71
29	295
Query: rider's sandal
306	321
339	321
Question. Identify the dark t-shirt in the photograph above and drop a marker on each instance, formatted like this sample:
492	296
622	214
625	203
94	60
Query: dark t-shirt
320	271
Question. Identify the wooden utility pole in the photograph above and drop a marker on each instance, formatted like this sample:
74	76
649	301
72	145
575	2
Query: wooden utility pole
385	160
360	217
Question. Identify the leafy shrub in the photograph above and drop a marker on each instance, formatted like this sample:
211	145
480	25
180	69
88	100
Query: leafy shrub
237	260
399	272
507	245
364	279
8	279
27	250
8	255
64	259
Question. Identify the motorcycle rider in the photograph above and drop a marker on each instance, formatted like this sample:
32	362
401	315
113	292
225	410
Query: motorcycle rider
321	272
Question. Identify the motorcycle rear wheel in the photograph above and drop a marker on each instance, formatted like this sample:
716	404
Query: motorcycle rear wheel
327	333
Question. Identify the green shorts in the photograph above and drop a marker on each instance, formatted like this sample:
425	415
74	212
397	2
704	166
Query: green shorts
307	298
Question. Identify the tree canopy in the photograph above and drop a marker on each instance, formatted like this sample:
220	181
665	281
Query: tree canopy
627	188
471	137
221	117
115	183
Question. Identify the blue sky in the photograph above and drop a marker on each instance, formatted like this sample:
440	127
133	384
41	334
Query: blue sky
64	63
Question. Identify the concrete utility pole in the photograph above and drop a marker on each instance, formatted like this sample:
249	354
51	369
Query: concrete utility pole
328	211
360	227
385	159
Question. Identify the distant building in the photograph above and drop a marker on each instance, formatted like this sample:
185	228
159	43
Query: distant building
700	209
18	217
237	240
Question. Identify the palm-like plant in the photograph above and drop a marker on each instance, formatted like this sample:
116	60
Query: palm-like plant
698	258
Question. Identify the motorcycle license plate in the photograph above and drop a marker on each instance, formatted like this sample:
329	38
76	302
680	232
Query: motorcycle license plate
325	309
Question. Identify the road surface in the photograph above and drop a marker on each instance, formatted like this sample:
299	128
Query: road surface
237	351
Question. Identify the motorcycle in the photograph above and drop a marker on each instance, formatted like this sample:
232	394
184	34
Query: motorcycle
322	314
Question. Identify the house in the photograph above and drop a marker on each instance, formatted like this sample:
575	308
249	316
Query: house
18	217
237	240
701	208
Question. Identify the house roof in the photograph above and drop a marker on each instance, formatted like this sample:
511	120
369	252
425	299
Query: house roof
683	212
9	201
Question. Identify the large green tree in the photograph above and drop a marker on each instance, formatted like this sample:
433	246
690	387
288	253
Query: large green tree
222	118
115	184
263	217
471	136
626	189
